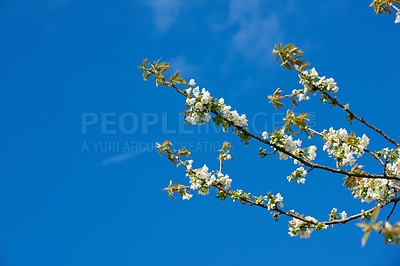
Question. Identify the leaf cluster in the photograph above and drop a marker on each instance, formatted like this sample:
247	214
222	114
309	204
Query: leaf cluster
383	6
289	57
157	70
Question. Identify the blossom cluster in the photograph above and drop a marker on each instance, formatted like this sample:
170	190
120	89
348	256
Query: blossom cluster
298	227
185	195
397	17
379	190
274	201
298	175
343	146
310	80
311	152
333	216
202	179
200	104
224	179
393	169
286	142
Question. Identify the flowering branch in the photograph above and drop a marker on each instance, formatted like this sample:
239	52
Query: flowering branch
200	107
202	180
352	116
280	149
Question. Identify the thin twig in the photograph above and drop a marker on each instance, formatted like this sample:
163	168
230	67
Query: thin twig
391	212
336	102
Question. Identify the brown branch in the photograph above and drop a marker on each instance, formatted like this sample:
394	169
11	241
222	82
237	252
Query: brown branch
336	102
376	157
303	161
391	212
343	221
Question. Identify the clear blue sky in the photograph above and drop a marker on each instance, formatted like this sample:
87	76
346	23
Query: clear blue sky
64	204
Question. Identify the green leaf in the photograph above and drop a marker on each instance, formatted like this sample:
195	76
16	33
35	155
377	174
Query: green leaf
365	238
163	64
175	75
179	80
375	213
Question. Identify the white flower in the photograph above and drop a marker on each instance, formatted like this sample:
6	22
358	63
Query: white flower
190	101
373	189
187	196
343	214
311	152
226	109
206	98
199	106
338	145
278	197
191	82
310	79
298	227
313	73
364	141
303	172
265	135
298	175
397	17
189	164
225	179
385	152
202	104
196	91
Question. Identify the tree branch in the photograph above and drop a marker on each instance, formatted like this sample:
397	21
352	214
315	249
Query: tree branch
307	163
336	102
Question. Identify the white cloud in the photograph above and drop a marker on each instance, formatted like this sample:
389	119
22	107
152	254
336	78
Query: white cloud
256	27
165	13
257	35
180	62
119	158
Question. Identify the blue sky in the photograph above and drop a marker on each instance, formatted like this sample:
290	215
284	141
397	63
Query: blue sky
64	63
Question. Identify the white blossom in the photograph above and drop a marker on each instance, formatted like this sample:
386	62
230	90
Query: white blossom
196	91
202	104
310	80
298	175
369	189
274	201
192	82
225	180
311	152
298	227
287	143
186	196
343	147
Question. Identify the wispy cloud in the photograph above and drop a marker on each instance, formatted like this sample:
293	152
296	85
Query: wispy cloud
180	62
119	158
255	28
165	13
